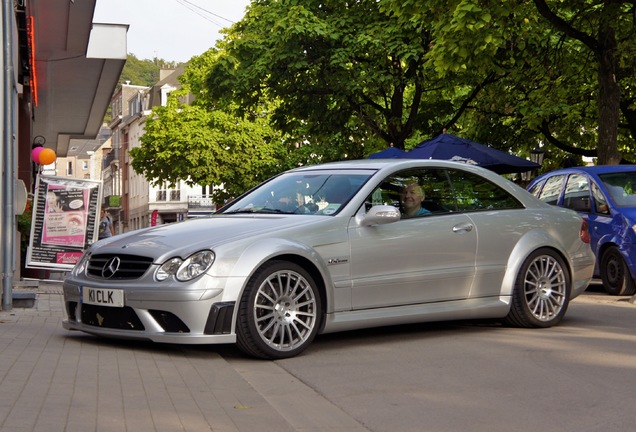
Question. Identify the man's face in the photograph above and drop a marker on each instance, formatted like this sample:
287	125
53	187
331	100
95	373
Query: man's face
411	197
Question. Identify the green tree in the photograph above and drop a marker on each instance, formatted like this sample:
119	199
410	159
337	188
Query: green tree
569	67
206	146
543	79
605	28
144	72
341	70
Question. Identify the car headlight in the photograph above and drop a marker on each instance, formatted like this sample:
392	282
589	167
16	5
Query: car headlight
185	270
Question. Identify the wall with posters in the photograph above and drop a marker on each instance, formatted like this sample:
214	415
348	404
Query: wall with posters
65	221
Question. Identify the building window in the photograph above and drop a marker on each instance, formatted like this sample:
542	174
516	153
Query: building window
69	170
167	194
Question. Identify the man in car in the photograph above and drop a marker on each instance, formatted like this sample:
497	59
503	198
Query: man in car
411	198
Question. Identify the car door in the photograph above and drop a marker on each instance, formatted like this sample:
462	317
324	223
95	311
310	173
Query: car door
584	196
599	219
415	260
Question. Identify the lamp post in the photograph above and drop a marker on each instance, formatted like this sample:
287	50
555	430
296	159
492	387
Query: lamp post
537	155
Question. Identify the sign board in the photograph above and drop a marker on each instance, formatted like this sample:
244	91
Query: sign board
65	221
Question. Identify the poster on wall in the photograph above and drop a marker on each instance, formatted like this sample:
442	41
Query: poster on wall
65	221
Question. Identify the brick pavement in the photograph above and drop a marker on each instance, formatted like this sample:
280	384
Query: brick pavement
55	380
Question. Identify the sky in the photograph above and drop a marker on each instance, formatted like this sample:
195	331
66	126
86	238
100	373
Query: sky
172	30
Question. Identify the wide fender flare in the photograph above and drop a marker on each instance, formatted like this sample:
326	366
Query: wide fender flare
623	247
257	254
531	241
613	239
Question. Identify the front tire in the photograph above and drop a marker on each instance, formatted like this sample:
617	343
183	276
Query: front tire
615	275
542	291
279	313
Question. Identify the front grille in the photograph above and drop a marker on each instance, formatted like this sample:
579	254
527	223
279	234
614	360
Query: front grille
111	317
126	267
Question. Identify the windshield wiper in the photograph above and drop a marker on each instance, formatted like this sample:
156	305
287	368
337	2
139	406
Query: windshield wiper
254	210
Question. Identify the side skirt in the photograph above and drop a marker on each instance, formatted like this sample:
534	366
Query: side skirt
479	308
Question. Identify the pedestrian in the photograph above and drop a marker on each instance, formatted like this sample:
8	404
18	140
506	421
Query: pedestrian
106	228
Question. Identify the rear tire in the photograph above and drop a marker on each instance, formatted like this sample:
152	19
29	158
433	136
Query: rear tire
542	291
616	277
279	313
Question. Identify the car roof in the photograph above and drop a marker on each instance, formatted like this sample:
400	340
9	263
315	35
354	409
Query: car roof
595	169
388	165
380	164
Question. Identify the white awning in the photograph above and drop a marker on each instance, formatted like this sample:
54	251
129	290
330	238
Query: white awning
78	64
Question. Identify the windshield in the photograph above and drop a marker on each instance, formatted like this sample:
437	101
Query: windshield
622	187
316	193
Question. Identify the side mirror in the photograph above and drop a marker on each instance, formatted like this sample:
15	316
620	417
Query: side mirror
380	214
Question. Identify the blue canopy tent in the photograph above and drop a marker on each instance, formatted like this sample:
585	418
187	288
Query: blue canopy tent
451	147
389	153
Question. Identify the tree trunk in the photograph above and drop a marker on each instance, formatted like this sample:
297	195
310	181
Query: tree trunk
608	97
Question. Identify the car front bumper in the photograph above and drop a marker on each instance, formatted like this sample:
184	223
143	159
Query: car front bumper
179	316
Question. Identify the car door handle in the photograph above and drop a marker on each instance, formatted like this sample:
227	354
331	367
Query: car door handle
463	227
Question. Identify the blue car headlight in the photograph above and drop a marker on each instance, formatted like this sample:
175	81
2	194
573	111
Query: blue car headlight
185	270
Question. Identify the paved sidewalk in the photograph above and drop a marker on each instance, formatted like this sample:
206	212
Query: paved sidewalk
55	380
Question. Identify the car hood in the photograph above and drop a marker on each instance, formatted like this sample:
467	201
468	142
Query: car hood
192	235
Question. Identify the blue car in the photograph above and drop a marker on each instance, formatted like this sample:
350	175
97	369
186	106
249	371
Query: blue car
605	196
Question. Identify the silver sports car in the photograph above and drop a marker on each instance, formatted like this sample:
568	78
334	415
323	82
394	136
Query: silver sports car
335	247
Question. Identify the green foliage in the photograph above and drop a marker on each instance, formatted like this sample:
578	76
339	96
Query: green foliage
337	69
143	72
206	147
297	83
551	59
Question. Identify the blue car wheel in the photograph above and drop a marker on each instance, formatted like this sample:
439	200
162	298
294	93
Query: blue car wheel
616	277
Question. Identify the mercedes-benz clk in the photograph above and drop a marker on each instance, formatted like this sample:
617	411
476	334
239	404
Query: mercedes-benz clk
335	247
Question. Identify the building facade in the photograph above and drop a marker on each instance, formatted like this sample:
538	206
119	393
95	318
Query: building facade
144	204
59	70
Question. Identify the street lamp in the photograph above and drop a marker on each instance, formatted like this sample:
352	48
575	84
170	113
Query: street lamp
526	176
537	155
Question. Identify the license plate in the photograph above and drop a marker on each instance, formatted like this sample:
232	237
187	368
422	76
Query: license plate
103	296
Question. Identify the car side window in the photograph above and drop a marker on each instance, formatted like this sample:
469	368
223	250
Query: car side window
534	190
552	189
620	186
577	193
474	193
600	202
416	192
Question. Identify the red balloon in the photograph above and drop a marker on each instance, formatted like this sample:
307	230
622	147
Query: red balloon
35	154
47	156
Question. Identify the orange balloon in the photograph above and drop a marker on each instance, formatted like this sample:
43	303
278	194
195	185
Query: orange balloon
47	156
